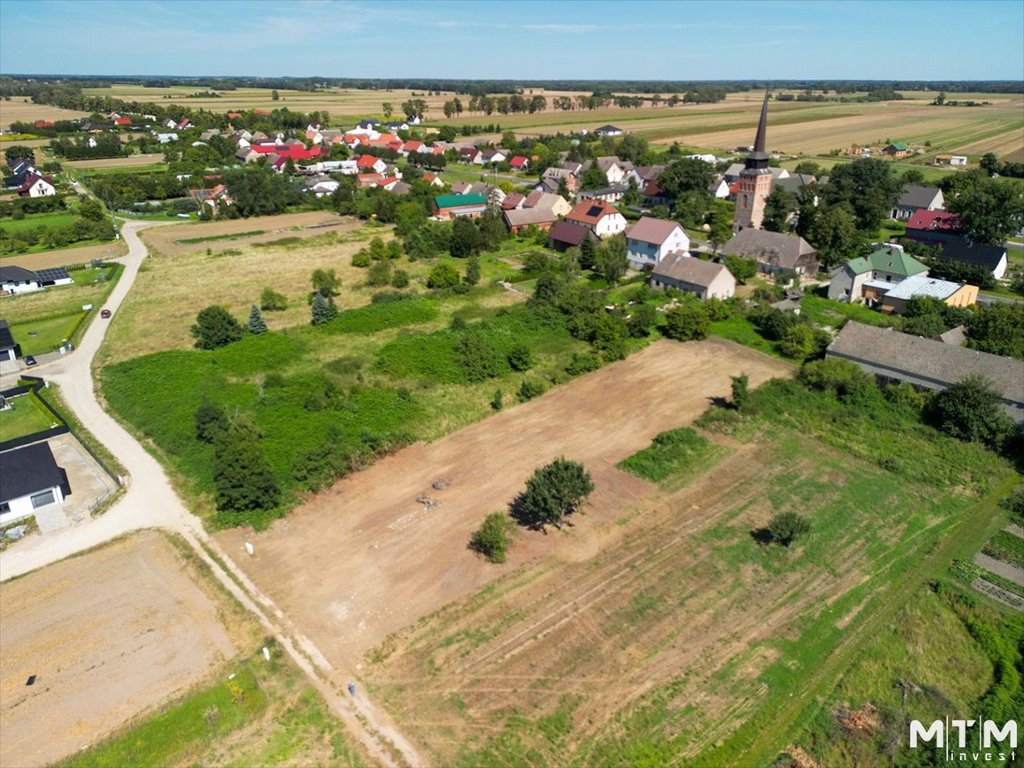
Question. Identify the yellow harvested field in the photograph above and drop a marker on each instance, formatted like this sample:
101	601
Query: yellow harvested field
21	109
131	161
65	256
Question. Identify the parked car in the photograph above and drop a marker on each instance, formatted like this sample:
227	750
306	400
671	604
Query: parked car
105	313
29	360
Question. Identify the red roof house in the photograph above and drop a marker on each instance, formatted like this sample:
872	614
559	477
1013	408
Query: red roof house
519	162
122	121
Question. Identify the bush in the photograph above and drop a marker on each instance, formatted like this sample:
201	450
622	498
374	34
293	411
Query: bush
479	357
246	486
582	363
272	301
379	274
687	322
530	389
498	400
519	358
552	493
491	539
642	318
670	453
971	410
361	258
215	327
400	279
211	422
443	275
785	527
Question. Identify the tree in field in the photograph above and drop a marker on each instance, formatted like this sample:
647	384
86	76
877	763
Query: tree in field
869	186
242	475
740	391
612	258
990	211
256	324
998	328
554	492
272	301
785	527
970	410
388	108
989	163
466	239
491	539
519	358
379	274
326	282
215	327
443	275
742	269
687	322
777	208
322	309
274	95
211	422
472	271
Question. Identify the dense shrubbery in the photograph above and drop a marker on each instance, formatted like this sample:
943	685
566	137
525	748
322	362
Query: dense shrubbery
669	454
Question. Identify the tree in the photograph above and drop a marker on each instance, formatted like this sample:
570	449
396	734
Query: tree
18	152
256	324
990	211
971	410
687	175
211	422
272	301
998	328
613	258
443	275
466	240
588	253
215	327
719	225
322	309
594	178
519	358
388	108
552	493
379	274
740	391
326	282
870	188
491	539
243	478
687	322
785	527
642	318
833	233
911	176
777	208
798	341
742	269
274	95
259	191
809	168
989	163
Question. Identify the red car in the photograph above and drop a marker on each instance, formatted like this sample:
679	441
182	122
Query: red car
105	313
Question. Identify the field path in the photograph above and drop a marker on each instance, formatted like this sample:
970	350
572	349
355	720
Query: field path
151	502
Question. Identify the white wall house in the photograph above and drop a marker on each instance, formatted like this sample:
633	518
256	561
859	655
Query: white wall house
650	239
704	279
29	479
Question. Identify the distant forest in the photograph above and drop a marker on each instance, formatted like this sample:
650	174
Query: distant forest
30	85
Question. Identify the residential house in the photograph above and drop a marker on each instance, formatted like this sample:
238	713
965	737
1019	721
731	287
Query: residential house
522	218
608	194
30	479
869	278
991	258
37	186
433	179
704	279
212	198
608	130
9	349
370	164
933	227
719	189
643	174
958	160
949	293
368	180
519	163
896	150
600	217
166	138
917	198
892	356
650	239
20	171
564	235
513	201
459	206
122	122
461	187
395	127
558	204
553	178
471	155
576	169
321	185
614	168
775	252
21	280
494	156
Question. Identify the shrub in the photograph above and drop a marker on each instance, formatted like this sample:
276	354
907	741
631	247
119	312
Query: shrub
443	275
322	310
519	358
246	486
215	327
272	301
211	422
379	274
529	390
552	493
687	322
642	318
498	400
785	527
479	357
400	279
273	380
582	363
740	391
361	258
971	410
256	324
491	539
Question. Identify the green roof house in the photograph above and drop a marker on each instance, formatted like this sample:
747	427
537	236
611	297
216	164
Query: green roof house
458	206
871	277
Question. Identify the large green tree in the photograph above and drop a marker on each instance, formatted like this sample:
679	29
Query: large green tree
612	258
990	210
687	175
259	191
777	208
687	322
242	475
998	328
870	188
971	410
466	239
215	327
552	493
833	233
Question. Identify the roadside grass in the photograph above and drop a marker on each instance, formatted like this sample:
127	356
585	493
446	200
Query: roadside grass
25	417
673	456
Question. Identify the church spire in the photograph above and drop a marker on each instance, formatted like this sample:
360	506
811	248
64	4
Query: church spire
762	125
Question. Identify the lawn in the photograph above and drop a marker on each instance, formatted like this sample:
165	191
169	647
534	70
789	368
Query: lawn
13	226
824	312
742	331
45	334
25	417
686	642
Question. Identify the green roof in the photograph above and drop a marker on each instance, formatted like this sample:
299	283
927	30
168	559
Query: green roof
900	146
455	201
886	259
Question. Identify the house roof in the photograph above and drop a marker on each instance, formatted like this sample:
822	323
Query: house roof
512	200
941	363
524	217
458	201
6	337
955	336
591	211
367	161
887	259
769	247
677	265
567	232
28	470
922	285
608	129
16	275
935	221
899	146
651	230
917	196
794	182
518	161
958	249
52	274
543	200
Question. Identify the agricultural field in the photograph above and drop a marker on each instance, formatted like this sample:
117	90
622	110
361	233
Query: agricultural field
679	638
63	257
129	162
20	109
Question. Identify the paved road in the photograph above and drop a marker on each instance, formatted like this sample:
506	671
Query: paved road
151	502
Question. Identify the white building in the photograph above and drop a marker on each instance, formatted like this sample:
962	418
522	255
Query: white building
650	239
29	479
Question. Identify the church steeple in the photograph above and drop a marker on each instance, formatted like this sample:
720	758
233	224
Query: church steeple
759	158
755	182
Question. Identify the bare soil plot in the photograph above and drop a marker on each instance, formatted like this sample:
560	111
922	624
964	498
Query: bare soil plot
109	635
131	161
64	257
364	559
20	109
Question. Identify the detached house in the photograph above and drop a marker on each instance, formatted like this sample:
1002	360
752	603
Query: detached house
370	164
30	479
37	186
598	216
896	150
917	198
869	278
519	163
650	239
704	279
774	252
608	130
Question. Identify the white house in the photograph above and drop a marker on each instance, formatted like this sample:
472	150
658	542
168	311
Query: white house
167	138
608	130
958	160
36	186
602	218
917	198
21	280
29	479
704	279
650	239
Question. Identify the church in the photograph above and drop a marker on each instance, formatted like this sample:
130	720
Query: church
755	182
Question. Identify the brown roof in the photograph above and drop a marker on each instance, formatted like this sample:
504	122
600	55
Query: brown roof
769	247
565	232
651	230
512	199
935	361
688	269
591	211
524	217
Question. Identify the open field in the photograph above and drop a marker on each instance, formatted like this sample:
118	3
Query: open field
679	639
109	634
13	226
21	109
384	561
129	162
63	257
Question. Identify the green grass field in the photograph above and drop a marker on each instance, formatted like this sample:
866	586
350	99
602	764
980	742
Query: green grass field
14	226
45	334
25	417
673	456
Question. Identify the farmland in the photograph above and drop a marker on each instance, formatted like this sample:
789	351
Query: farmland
21	109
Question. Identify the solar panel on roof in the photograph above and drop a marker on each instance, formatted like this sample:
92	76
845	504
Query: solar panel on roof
51	275
595	210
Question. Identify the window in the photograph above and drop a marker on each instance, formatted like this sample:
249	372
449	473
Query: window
42	499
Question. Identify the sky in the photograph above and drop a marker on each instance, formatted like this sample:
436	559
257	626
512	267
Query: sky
522	40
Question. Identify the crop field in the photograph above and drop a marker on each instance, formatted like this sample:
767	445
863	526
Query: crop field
677	638
130	162
21	109
109	635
